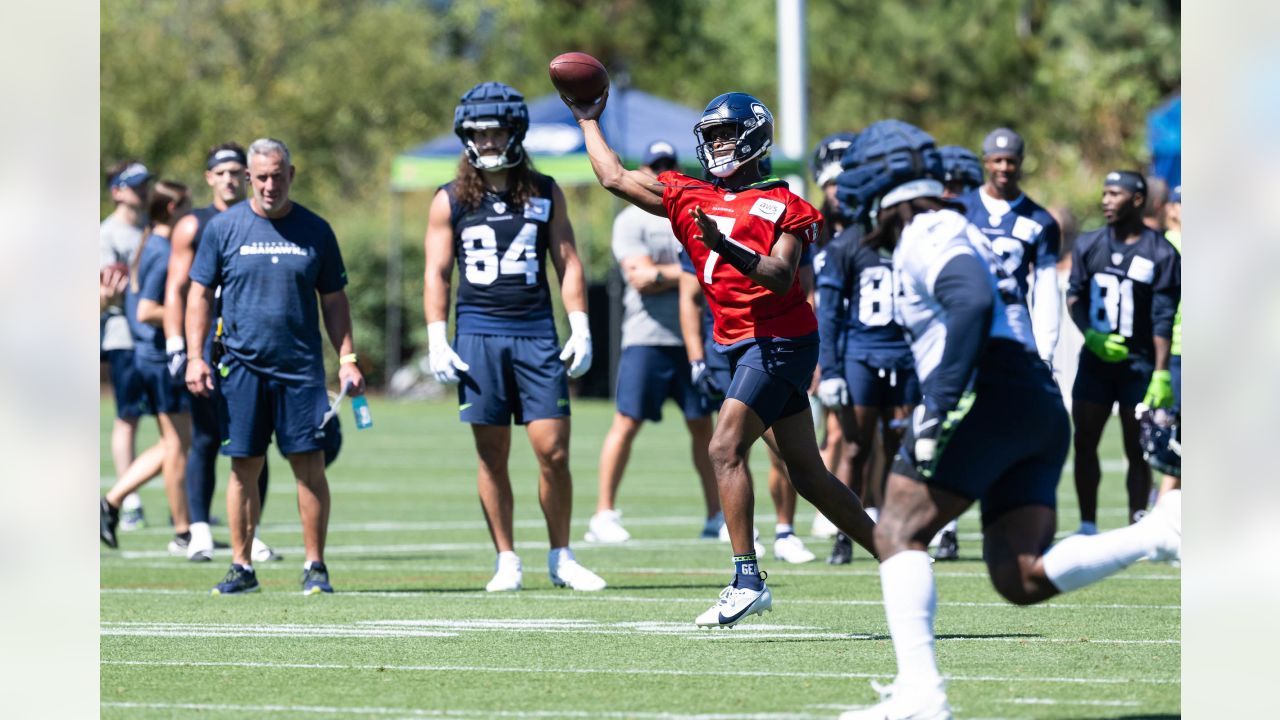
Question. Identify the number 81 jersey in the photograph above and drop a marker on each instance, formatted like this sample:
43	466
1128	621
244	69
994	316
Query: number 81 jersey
501	252
1119	284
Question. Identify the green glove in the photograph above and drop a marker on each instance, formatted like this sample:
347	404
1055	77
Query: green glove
1110	348
1160	391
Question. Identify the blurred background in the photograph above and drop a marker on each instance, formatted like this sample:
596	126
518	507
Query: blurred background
359	89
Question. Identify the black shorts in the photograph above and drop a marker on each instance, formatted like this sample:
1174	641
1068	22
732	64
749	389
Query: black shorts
1107	383
1007	452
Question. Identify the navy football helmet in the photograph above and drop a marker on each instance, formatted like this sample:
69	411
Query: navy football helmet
824	166
960	167
1160	438
889	162
752	132
492	105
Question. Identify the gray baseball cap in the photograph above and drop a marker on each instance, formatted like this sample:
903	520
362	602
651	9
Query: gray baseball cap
1002	141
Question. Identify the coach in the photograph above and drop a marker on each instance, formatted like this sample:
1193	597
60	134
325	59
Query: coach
271	256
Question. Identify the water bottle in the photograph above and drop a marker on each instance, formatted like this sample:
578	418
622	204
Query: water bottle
360	407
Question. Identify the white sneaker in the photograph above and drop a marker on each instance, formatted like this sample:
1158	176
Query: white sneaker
724	537
262	552
508	574
791	549
823	528
929	704
200	549
606	527
1165	520
566	572
734	605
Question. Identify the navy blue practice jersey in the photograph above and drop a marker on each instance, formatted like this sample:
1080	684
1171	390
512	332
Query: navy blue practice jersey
864	278
502	252
1130	290
1024	237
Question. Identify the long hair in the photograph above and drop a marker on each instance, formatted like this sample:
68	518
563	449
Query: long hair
164	194
886	232
470	186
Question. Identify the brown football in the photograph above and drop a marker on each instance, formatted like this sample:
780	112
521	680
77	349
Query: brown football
579	77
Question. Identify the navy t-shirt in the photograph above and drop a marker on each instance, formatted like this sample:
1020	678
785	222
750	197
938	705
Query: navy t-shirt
270	272
153	269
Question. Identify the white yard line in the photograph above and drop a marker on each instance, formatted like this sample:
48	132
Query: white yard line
451	628
640	671
417	712
1088	703
569	596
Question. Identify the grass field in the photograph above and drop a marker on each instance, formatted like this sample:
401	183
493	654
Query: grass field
411	634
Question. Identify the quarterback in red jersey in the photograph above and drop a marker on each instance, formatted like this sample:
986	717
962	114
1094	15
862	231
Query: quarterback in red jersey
744	234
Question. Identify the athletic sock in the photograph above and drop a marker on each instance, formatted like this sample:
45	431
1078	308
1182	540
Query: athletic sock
951	526
782	530
556	556
183	536
131	502
1088	528
747	572
1080	560
910	600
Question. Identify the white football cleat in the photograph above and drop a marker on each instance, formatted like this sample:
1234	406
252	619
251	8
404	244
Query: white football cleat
606	527
262	552
200	549
724	537
791	549
823	528
734	605
1165	520
566	572
898	704
508	575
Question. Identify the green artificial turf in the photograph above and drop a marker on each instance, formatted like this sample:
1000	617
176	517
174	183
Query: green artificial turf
410	632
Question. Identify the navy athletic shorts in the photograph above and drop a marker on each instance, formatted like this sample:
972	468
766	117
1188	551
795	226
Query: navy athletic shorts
1106	383
717	365
648	375
131	397
254	406
1007	452
520	378
881	382
163	393
772	375
1175	374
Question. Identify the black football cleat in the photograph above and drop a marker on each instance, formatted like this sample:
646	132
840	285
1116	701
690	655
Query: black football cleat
841	550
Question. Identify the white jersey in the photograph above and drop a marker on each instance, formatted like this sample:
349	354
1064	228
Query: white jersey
927	244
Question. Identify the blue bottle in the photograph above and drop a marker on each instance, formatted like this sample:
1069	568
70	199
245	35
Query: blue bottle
360	408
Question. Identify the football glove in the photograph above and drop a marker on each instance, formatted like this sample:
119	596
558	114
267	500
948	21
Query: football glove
1159	390
704	381
577	349
1109	347
833	392
445	363
176	354
928	432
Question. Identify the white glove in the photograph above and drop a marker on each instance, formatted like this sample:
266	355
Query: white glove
578	346
833	392
445	363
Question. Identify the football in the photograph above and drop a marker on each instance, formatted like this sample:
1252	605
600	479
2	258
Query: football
579	77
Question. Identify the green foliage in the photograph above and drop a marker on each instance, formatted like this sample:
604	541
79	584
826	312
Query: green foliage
350	84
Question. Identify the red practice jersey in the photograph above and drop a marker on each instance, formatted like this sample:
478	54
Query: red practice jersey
754	217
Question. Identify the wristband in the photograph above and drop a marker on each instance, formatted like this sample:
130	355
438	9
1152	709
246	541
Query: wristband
348	358
743	259
175	344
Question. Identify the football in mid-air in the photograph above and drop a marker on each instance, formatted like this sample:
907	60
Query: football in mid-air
579	77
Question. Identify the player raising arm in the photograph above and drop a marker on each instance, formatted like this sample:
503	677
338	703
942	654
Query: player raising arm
744	235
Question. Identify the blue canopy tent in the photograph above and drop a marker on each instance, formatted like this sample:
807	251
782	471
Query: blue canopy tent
1164	135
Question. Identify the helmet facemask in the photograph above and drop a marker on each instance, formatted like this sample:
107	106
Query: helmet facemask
752	138
512	154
